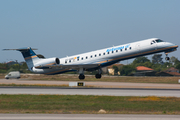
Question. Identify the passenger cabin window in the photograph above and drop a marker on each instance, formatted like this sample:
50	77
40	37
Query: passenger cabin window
91	56
99	54
65	61
112	51
130	48
86	57
81	58
125	48
69	60
116	50
95	55
103	53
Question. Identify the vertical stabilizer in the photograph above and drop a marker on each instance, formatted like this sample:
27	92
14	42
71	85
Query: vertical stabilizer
29	56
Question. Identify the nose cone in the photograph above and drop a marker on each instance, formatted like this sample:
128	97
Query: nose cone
177	46
171	45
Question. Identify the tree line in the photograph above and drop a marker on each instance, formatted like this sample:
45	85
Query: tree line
21	67
156	63
5	68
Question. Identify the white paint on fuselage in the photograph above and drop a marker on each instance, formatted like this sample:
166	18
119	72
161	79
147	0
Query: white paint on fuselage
130	50
136	47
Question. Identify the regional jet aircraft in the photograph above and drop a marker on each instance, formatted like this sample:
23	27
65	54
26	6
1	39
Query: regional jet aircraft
94	60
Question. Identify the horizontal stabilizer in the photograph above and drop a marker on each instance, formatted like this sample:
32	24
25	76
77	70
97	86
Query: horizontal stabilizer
22	49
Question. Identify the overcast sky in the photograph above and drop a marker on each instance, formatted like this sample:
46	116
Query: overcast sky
60	28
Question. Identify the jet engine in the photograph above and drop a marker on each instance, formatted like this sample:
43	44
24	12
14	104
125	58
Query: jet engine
46	63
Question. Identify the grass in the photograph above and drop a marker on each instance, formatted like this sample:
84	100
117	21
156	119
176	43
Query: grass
64	77
74	77
79	104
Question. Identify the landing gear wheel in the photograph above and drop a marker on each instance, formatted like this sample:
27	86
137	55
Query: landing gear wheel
98	76
81	77
167	58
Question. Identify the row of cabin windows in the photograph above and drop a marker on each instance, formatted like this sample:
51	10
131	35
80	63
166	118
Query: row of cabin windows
99	54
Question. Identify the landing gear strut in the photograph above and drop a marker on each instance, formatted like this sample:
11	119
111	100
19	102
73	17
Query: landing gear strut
167	58
98	75
81	74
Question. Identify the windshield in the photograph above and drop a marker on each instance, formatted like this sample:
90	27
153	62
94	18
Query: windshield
158	40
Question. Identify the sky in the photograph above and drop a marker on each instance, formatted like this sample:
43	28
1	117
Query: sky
59	28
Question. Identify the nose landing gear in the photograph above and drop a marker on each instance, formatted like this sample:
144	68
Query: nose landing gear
167	58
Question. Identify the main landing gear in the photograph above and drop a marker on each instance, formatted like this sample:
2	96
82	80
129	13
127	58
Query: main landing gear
82	77
81	74
98	75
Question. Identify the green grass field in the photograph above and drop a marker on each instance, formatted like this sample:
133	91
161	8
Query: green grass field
71	104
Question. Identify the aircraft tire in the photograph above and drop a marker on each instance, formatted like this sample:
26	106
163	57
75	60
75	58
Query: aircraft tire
81	77
98	76
167	58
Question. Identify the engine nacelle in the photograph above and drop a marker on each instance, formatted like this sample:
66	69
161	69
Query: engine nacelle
44	63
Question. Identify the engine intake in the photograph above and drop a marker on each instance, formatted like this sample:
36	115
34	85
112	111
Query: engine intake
57	61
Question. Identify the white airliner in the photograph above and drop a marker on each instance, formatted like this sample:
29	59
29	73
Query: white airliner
94	60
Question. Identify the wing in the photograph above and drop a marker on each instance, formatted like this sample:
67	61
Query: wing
71	66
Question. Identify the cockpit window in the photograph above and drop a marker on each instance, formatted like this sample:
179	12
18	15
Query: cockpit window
156	41
153	42
159	40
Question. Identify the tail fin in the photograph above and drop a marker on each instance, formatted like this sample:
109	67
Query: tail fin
29	56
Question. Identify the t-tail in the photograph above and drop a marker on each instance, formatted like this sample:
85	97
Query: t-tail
29	56
34	63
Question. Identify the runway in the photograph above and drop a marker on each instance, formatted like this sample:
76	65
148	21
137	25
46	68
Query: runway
93	84
91	91
86	117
